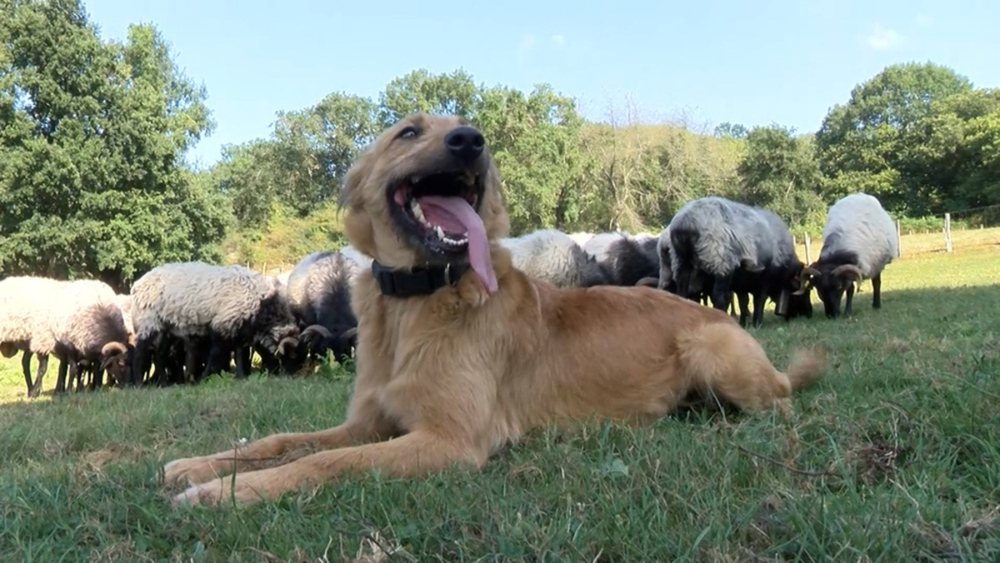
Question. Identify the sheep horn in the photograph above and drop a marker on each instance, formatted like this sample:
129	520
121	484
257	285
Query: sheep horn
850	271
648	282
113	348
350	333
317	329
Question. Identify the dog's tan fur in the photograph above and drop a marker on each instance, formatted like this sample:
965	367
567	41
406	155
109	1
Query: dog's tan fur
445	379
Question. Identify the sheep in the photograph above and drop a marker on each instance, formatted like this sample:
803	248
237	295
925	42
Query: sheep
551	255
859	241
233	306
625	259
319	293
77	321
26	320
91	332
738	248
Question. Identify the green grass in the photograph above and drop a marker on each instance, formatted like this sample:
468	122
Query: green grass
894	456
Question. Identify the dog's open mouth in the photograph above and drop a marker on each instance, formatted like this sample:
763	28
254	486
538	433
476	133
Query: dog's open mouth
438	211
420	199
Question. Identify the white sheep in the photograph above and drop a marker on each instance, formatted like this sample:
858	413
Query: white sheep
77	321
551	255
736	247
26	321
859	241
232	306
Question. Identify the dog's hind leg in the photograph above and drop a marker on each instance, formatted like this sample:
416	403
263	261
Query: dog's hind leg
417	453
364	424
728	361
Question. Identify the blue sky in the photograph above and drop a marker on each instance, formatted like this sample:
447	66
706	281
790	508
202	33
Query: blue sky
751	62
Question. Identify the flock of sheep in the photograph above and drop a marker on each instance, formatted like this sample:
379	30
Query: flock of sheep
187	320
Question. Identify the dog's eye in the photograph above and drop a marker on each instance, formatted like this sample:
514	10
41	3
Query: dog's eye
408	133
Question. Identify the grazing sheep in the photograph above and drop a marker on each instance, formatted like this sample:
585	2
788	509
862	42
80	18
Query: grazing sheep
77	321
859	240
319	294
233	306
625	258
739	248
26	320
551	255
92	335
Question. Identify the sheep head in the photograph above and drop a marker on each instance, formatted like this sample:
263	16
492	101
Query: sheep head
114	360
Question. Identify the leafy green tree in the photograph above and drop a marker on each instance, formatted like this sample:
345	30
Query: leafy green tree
421	91
92	140
731	131
859	143
779	172
951	159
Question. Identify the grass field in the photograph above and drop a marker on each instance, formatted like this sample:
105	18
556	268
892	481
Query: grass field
894	456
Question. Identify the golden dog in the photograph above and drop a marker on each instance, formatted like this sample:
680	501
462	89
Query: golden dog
459	353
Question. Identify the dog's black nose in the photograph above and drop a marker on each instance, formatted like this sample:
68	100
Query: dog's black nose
465	142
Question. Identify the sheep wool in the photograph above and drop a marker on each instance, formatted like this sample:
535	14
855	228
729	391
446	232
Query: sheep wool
857	223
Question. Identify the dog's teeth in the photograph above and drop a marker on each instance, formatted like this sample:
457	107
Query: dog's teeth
415	179
418	212
439	231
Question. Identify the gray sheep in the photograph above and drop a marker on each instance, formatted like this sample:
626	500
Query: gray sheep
737	247
319	293
553	256
233	307
859	241
625	259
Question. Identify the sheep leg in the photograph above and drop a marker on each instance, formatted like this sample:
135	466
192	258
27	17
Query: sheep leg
61	378
139	361
26	368
759	299
877	292
43	363
850	299
215	353
241	362
190	361
744	299
98	381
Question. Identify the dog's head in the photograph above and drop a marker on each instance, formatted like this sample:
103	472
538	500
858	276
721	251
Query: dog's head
426	192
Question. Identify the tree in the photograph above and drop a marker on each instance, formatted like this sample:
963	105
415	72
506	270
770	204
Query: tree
780	173
730	131
421	91
859	143
951	157
92	139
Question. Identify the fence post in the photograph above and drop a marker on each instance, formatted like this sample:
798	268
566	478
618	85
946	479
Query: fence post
809	259
899	240
947	232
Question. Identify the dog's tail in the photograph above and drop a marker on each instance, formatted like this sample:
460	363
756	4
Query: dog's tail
807	368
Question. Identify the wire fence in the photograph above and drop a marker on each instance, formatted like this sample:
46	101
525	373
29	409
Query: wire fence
958	231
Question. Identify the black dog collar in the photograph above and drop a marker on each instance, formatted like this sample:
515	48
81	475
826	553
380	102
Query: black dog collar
418	281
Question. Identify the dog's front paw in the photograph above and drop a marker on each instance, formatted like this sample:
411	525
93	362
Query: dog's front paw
190	471
243	488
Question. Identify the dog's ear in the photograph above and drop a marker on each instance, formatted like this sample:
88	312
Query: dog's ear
357	174
494	211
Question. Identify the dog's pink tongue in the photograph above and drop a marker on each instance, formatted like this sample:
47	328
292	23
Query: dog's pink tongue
456	211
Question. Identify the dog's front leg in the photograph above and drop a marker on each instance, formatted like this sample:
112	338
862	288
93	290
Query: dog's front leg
365	424
413	454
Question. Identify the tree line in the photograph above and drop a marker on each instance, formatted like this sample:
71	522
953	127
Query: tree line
94	135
